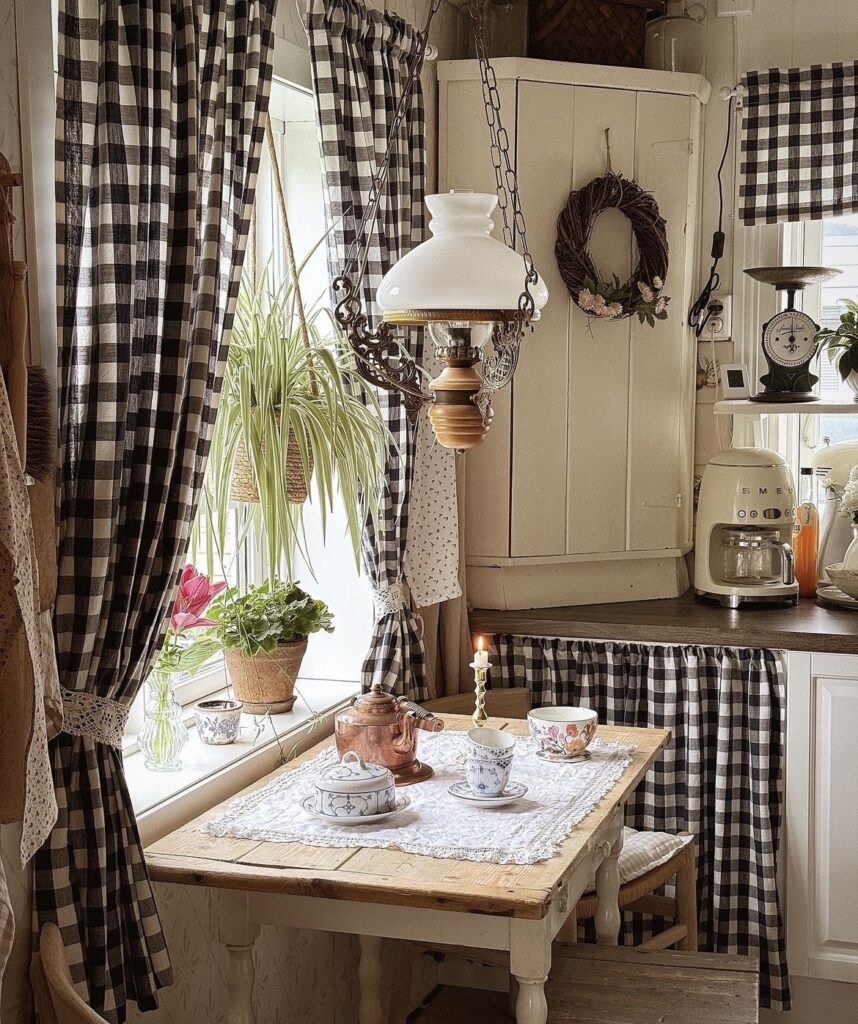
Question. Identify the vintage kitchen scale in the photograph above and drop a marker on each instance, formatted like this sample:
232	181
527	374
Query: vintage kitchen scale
789	340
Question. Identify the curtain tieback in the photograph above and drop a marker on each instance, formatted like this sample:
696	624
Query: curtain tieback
100	718
389	599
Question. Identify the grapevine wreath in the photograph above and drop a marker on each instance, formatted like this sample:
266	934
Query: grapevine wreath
612	299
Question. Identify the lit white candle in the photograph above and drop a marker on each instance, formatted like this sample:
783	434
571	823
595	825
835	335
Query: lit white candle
481	655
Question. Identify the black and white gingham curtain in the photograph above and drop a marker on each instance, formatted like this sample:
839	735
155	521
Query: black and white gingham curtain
360	60
798	143
160	113
719	779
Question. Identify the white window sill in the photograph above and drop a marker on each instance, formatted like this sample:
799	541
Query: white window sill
164	801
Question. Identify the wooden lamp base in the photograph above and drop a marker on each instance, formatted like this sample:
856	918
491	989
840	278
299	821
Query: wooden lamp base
456	420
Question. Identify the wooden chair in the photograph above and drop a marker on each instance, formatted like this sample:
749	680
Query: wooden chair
504	702
56	998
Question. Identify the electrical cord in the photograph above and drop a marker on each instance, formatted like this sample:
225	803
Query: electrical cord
699	314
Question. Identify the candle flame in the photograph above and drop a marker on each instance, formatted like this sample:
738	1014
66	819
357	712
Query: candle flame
481	643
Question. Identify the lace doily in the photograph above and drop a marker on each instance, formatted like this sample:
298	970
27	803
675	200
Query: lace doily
85	714
437	824
389	599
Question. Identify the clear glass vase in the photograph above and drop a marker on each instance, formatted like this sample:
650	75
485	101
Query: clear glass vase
164	734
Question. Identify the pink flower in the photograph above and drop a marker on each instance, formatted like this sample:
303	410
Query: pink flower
661	305
657	283
196	593
646	292
613	309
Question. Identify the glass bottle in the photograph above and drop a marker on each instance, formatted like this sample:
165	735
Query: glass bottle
806	537
164	734
677	42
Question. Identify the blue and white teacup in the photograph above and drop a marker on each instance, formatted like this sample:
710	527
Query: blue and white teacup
488	761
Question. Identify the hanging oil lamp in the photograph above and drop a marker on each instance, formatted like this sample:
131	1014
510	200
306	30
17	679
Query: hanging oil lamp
475	294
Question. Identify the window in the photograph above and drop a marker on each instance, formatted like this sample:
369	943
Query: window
339	655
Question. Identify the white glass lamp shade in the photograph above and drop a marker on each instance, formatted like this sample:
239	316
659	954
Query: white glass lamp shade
461	269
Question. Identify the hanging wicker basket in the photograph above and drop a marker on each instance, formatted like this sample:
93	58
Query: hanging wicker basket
243	483
590	31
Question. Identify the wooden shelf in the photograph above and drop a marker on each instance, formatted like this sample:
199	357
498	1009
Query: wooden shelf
744	407
809	626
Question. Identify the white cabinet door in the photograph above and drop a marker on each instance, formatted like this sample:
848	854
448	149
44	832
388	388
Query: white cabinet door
822	816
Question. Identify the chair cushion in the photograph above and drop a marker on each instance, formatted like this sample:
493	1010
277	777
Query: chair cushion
643	851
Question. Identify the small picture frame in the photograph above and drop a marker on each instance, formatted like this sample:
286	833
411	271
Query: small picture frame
734	380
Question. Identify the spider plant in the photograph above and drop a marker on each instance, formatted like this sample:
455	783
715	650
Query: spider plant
290	383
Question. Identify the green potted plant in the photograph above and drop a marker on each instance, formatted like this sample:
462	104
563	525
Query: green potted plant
841	344
264	636
294	418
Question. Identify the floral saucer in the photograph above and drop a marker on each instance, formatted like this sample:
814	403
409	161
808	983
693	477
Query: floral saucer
309	805
548	755
513	791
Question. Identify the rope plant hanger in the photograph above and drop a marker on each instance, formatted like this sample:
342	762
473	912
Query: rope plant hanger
608	298
468	289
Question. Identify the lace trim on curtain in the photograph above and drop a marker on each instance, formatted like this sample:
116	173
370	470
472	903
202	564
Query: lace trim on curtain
389	599
100	718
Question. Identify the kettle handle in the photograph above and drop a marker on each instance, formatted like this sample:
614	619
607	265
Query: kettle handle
788	556
423	719
415	709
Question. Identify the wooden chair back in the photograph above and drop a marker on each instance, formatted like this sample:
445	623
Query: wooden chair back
504	702
56	999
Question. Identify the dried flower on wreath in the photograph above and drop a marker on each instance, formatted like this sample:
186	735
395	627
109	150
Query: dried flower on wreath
609	298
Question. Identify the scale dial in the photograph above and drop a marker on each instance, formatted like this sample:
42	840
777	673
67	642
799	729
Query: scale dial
788	339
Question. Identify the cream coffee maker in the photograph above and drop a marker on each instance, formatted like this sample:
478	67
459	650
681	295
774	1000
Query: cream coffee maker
745	519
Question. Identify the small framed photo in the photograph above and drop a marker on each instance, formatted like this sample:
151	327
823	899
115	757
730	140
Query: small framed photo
734	380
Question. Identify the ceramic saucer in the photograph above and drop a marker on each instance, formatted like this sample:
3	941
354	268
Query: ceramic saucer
513	791
563	758
828	592
308	803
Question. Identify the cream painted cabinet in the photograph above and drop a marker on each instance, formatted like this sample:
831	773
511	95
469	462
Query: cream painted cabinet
583	490
821	816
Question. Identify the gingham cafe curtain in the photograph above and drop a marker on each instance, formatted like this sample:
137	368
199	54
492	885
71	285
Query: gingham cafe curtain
798	143
360	60
720	778
160	108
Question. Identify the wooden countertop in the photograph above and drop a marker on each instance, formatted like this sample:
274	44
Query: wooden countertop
811	626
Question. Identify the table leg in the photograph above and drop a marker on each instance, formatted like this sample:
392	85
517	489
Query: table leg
608	918
529	964
238	933
369	980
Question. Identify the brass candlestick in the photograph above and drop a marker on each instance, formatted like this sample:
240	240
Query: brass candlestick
479	716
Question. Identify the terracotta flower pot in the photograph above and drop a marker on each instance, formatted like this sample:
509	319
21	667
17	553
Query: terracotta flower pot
266	681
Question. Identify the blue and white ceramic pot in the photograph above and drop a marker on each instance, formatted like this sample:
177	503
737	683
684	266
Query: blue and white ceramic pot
218	721
352	788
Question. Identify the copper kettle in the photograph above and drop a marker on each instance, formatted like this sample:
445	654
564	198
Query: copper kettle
383	730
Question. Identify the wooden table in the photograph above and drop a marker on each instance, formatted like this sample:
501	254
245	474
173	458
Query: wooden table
377	894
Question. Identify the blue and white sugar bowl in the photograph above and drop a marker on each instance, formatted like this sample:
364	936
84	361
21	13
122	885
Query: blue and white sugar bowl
218	721
354	789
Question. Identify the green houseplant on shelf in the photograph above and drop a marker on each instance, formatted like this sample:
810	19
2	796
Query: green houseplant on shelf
841	344
264	636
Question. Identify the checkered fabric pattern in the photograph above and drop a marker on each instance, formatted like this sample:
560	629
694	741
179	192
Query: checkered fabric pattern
360	60
799	136
160	111
720	778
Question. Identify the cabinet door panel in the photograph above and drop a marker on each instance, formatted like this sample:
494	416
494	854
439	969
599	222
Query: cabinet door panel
660	367
465	162
539	391
598	384
834	821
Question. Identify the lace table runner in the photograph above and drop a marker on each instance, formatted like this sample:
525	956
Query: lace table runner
437	824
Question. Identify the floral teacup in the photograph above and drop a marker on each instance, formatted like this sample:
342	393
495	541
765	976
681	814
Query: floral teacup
562	732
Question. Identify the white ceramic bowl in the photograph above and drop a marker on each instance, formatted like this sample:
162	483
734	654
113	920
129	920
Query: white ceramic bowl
354	789
562	731
844	579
